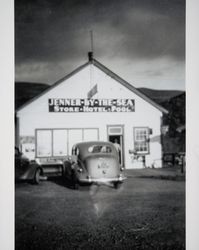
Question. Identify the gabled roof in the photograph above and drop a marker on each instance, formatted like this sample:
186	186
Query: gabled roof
106	71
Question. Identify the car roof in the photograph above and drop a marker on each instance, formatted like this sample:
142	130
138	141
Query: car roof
89	143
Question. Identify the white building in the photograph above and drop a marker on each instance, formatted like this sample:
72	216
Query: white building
92	103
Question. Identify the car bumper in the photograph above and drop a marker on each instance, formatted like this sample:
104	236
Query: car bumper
102	180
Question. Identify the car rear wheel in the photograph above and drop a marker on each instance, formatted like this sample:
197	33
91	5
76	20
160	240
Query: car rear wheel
117	185
37	176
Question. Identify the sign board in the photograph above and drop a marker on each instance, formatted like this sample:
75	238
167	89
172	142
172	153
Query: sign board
58	105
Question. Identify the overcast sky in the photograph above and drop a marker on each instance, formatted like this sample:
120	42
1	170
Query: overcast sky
143	41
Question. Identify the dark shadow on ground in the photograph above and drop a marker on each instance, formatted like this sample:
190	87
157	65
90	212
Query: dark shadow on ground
163	177
64	182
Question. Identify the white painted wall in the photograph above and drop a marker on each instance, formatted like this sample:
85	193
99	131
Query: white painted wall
36	115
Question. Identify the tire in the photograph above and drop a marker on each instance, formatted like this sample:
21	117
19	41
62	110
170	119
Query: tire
76	185
74	180
117	185
63	172
37	176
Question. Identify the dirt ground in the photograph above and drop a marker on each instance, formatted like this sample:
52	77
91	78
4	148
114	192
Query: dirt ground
145	213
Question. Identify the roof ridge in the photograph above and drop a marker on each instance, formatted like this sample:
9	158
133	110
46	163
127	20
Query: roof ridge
127	85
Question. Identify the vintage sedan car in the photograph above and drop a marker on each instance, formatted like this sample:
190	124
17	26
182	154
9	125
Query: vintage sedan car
94	162
25	169
37	170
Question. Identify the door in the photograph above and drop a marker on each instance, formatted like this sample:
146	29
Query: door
115	135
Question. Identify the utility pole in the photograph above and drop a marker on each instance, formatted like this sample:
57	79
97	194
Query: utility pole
91	37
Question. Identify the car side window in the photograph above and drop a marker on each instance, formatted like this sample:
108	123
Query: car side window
75	151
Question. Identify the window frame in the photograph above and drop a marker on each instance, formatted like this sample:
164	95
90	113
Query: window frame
141	141
52	140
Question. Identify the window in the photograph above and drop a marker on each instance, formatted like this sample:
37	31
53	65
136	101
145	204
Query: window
141	140
99	149
75	151
74	136
115	130
44	143
59	142
60	146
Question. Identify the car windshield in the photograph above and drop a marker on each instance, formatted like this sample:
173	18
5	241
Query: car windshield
99	149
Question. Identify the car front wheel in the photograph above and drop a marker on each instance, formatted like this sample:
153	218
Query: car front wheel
37	176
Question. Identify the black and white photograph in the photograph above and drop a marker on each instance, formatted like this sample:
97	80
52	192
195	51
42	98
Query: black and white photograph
99	124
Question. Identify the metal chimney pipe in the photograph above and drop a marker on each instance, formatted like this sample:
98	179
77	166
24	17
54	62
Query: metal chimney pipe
90	56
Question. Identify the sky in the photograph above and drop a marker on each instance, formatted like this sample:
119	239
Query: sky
143	41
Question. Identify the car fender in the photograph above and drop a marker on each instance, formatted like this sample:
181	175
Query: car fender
30	173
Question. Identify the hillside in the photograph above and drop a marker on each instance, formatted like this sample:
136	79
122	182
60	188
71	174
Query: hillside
160	96
25	91
175	102
174	141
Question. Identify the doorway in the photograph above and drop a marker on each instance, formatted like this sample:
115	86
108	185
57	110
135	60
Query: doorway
115	135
